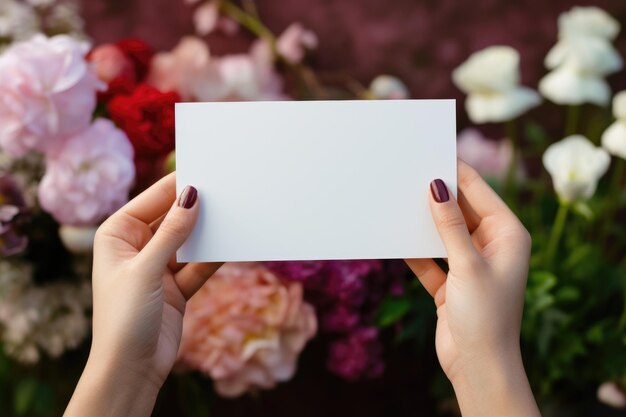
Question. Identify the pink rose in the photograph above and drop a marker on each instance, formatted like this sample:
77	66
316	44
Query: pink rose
490	158
110	62
293	43
89	178
47	92
245	329
189	70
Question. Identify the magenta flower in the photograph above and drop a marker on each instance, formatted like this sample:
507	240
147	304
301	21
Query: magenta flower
13	216
358	355
89	178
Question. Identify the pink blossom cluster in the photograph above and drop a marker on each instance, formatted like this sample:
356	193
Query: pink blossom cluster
48	95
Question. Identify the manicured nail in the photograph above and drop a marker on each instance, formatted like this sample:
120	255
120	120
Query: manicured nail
188	197
439	190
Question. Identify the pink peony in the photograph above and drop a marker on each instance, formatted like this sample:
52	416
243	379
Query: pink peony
489	157
110	62
89	177
293	43
47	92
245	329
189	70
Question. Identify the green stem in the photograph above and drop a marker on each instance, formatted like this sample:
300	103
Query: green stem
248	21
555	235
618	176
571	123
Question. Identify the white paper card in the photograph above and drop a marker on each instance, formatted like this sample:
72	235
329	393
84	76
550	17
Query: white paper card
316	179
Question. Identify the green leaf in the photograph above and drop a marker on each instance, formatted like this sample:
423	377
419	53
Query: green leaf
24	396
392	310
583	210
535	133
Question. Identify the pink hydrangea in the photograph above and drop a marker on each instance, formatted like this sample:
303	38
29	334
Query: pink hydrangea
89	178
245	329
47	92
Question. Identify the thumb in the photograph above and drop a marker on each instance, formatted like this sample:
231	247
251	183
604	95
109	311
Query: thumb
451	226
173	231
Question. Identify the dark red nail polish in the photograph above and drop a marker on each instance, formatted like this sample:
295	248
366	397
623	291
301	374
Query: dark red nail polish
439	190
188	197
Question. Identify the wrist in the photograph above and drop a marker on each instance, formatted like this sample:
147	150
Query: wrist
109	387
494	384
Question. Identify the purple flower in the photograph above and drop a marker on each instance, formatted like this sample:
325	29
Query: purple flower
13	215
357	355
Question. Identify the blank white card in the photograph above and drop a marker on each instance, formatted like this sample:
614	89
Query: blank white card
316	179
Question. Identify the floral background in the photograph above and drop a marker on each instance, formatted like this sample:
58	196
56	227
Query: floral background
341	337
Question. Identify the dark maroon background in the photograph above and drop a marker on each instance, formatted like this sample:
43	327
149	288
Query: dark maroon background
419	41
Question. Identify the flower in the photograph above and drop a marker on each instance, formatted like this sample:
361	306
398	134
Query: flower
90	177
293	43
614	138
575	165
582	57
110	62
489	157
189	70
610	394
34	318
491	79
388	87
47	92
147	117
13	215
357	355
17	21
245	329
206	18
78	239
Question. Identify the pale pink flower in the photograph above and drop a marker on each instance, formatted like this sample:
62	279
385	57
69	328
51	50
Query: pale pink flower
610	394
110	62
293	43
189	70
249	77
47	92
206	17
245	329
489	157
89	178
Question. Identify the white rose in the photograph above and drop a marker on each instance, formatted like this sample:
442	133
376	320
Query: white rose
388	87
614	138
567	85
610	394
590	21
491	79
575	165
619	106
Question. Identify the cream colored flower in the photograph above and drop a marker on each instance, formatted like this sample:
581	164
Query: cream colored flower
576	166
491	79
78	239
614	138
610	394
581	58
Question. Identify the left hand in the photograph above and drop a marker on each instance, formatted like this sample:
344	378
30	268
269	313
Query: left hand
139	290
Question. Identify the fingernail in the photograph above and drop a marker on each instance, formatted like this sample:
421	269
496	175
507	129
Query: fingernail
188	197
439	190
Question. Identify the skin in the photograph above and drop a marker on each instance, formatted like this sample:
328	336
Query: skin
140	294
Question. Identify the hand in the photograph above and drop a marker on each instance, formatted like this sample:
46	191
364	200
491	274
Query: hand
480	300
139	299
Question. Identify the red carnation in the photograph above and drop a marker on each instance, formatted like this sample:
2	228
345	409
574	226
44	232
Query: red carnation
147	117
140	53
